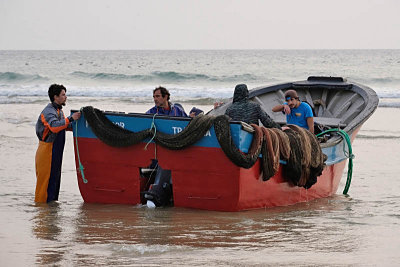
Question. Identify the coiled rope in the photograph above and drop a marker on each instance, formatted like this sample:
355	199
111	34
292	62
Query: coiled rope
349	154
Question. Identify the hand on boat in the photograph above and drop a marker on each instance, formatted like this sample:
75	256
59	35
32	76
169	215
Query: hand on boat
218	104
76	116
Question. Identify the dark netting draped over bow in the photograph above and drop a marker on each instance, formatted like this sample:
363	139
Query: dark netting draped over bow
292	169
270	154
193	132
284	144
306	160
108	132
116	136
297	146
223	133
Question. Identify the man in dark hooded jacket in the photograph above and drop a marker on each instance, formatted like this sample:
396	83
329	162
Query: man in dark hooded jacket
242	109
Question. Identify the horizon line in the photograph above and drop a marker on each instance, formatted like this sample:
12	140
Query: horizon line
191	49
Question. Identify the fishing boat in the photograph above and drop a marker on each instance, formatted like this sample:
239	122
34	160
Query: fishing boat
117	153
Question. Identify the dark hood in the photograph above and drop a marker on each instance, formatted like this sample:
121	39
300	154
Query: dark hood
241	93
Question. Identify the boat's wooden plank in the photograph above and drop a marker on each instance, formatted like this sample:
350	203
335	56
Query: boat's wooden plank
339	112
322	110
258	100
353	111
267	102
309	99
334	100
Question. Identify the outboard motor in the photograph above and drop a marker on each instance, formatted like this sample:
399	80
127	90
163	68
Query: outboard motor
160	193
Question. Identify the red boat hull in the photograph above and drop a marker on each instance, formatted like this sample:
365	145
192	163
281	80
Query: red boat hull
202	178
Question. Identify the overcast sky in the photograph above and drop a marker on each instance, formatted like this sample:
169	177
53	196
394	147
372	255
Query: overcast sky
203	24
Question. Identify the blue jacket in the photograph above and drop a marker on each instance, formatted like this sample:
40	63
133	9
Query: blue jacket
174	111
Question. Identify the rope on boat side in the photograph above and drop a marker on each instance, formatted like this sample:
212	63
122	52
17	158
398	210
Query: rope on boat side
153	125
348	154
81	168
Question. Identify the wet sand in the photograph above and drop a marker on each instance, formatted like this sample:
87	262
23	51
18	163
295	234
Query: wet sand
360	229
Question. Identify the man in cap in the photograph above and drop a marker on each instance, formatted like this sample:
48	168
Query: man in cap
297	112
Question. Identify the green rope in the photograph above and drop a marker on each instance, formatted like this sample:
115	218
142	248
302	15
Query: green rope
153	125
348	154
81	168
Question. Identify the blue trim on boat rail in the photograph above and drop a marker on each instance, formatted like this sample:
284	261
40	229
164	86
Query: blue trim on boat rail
172	125
169	125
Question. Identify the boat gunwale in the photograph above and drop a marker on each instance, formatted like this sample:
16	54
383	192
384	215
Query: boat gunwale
369	96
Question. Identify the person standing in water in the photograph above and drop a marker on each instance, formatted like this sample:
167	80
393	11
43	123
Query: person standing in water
50	130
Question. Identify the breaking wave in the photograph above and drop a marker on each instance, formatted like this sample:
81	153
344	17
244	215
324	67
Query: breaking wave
161	76
389	94
389	104
384	80
382	136
18	77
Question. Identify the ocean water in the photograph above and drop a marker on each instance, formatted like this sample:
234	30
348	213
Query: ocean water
196	76
358	229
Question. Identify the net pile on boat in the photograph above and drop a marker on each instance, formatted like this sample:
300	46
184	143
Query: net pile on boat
116	136
110	133
296	146
306	160
223	132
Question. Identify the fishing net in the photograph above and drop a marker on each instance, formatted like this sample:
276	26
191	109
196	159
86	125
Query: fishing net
306	149
270	154
292	170
223	133
275	156
192	133
317	160
312	161
110	133
306	145
284	144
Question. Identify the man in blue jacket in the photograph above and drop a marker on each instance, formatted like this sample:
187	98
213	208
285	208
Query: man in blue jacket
160	193
163	106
